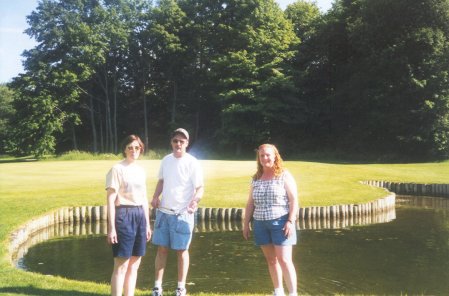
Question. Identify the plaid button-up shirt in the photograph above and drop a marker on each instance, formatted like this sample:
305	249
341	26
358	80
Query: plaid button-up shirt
270	198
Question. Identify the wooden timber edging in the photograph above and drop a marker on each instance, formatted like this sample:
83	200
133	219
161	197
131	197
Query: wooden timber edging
305	214
438	190
59	216
99	213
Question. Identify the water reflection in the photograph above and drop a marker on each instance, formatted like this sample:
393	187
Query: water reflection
409	255
204	225
424	202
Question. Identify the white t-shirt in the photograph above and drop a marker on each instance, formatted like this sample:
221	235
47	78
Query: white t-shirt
128	180
181	176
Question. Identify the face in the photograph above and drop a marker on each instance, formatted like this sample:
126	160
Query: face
267	157
132	150
179	145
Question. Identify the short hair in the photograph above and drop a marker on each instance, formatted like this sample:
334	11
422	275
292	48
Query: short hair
130	139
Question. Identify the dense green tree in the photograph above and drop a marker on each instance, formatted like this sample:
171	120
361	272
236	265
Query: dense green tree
139	86
392	90
59	63
366	76
308	69
38	119
378	71
88	43
253	85
167	32
6	114
303	15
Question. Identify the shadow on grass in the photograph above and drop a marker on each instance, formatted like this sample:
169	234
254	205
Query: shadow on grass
11	160
33	291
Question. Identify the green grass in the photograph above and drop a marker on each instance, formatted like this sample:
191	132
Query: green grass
32	188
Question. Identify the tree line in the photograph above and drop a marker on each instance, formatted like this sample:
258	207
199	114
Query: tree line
365	77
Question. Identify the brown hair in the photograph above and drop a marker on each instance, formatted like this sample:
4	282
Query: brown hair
278	163
130	139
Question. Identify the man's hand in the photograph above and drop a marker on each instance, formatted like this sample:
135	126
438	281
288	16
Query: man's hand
155	202
193	205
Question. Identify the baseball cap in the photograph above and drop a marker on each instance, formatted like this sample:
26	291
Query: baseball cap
182	132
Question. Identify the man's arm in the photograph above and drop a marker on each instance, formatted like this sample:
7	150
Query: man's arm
197	196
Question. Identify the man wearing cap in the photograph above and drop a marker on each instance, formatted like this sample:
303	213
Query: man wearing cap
181	185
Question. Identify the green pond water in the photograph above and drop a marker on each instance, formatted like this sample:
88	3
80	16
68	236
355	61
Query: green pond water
408	255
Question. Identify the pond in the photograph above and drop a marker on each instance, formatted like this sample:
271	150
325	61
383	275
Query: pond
408	255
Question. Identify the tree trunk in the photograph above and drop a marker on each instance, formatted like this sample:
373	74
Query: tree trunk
145	114
92	123
238	149
114	118
173	109
102	143
197	124
109	131
75	144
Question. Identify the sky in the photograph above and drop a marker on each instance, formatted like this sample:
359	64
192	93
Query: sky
13	40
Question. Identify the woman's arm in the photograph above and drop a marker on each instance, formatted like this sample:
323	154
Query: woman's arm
249	210
146	210
157	192
111	195
292	193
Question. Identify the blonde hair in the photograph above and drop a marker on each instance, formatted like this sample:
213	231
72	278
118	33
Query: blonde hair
278	163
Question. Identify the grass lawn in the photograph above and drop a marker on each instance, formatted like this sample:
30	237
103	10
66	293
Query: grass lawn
29	189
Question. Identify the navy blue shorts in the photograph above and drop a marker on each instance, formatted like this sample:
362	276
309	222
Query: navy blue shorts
131	227
270	232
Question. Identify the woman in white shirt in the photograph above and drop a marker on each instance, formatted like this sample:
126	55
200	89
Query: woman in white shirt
128	216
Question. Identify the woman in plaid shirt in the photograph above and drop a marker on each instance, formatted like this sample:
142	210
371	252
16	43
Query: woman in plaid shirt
273	204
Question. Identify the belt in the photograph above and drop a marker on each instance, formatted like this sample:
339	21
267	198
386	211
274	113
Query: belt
127	206
171	211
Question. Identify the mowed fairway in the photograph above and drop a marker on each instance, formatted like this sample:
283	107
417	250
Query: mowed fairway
29	189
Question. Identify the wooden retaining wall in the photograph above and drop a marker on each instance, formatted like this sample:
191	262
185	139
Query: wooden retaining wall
309	217
66	222
99	213
315	217
440	190
61	216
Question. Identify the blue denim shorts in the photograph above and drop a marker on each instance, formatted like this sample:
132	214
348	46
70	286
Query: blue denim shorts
270	232
131	227
173	231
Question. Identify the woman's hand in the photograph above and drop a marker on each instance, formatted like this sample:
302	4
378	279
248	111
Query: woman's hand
112	237
245	232
289	227
149	233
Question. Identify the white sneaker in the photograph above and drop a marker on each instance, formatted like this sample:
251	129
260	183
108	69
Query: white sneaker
157	292
180	292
